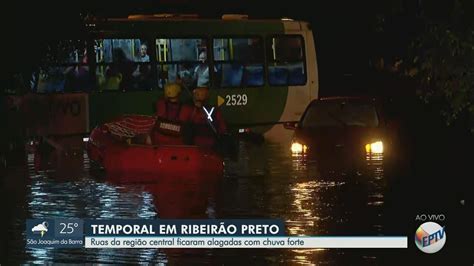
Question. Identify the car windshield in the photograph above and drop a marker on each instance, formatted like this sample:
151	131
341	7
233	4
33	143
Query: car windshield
340	114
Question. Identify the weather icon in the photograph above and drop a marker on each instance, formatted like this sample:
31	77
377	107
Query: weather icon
42	228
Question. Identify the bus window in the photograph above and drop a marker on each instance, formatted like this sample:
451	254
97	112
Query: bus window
182	60
238	61
66	69
123	64
286	62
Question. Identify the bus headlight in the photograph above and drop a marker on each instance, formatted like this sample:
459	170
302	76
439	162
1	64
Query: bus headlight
374	147
298	148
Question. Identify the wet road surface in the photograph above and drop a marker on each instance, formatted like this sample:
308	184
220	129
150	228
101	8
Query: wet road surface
266	182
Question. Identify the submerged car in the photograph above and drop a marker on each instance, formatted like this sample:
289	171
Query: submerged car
340	132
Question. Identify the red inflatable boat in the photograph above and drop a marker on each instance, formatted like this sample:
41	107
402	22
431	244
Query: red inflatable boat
108	147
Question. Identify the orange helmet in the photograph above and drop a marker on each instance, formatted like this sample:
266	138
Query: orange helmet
172	90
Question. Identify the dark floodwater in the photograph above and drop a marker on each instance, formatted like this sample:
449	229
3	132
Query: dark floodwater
266	182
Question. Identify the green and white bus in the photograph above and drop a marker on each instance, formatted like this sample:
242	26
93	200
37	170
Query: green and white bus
261	73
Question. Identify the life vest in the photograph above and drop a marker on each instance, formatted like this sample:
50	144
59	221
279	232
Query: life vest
167	124
204	122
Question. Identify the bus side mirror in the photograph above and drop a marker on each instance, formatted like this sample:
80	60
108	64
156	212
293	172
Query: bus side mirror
290	125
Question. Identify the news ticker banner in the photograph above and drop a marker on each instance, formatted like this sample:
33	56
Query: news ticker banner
193	233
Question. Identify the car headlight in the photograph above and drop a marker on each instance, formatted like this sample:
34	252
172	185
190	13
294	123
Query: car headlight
298	148
374	147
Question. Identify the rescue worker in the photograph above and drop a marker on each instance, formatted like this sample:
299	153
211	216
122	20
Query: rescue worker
207	121
171	114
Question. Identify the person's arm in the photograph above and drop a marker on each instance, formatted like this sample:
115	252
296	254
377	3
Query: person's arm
137	72
195	74
160	108
108	71
69	69
221	126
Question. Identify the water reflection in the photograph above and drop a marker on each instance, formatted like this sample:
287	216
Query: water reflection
186	200
331	197
52	194
266	182
304	218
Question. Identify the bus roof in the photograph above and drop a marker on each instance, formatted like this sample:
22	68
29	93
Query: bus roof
191	23
170	16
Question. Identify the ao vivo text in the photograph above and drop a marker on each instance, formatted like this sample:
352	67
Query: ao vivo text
430	217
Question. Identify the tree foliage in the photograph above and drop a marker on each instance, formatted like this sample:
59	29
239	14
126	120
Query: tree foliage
440	52
443	56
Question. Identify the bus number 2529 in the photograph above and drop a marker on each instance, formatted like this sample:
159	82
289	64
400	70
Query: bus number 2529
236	99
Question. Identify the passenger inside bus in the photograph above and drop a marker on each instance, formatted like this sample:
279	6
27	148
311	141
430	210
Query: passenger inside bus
142	76
201	72
66	70
185	75
143	55
78	76
119	73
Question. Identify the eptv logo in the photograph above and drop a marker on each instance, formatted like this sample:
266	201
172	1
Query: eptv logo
430	237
